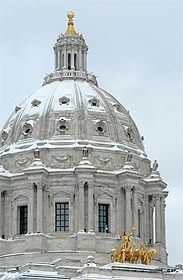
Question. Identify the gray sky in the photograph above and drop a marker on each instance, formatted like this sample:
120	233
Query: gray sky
135	49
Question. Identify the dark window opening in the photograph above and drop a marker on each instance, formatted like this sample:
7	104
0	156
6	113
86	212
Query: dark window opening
100	129
62	217
63	128
103	218
28	130
23	219
69	61
75	61
139	233
64	102
94	104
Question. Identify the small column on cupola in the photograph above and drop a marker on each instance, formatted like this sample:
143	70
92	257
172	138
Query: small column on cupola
70	50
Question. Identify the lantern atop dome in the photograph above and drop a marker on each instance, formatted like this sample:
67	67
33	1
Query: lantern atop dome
70	53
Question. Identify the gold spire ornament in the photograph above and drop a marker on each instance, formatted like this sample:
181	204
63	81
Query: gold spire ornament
128	254
70	29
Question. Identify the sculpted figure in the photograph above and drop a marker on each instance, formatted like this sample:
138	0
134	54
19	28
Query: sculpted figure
122	255
145	256
129	157
151	253
155	166
131	253
126	239
115	254
85	152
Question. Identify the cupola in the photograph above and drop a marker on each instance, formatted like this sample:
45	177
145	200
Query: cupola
70	53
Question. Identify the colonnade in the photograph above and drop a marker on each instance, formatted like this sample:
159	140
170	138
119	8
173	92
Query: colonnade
78	58
118	219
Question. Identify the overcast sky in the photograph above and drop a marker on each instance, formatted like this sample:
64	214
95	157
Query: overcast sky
135	49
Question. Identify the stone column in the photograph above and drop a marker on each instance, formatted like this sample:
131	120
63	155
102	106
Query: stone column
80	67
84	61
81	206
151	210
72	58
59	59
52	209
31	208
163	235
1	214
118	214
55	53
135	211
128	209
95	214
90	206
39	207
71	215
65	58
112	221
158	219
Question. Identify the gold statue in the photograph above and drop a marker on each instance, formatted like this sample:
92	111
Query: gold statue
126	239
128	254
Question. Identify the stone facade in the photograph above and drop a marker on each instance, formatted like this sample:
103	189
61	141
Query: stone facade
74	145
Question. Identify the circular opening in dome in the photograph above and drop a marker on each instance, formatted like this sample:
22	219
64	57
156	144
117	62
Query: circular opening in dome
62	128
28	130
100	129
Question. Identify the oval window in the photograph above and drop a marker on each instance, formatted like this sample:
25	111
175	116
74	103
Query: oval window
62	128
100	129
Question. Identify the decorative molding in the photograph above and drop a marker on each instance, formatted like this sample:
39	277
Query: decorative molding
22	161
62	157
103	160
35	103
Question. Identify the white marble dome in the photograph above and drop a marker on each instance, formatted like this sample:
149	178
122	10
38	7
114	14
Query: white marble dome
70	113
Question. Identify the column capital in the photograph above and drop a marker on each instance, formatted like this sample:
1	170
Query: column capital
128	188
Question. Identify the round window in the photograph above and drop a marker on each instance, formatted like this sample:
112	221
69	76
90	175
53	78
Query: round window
100	129
62	128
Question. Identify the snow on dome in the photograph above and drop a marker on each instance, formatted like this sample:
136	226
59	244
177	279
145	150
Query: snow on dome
68	112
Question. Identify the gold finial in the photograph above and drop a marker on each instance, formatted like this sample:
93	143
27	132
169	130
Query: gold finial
70	29
133	229
70	15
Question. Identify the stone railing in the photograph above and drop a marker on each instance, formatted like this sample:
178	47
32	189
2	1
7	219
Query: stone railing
69	74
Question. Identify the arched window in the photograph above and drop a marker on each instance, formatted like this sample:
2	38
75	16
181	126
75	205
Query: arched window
69	61
75	61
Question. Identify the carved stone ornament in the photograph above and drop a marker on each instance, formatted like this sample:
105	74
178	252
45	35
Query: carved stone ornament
101	127
4	136
62	125
103	160
35	103
155	166
129	134
118	107
22	161
17	108
64	100
94	102
27	129
129	157
61	158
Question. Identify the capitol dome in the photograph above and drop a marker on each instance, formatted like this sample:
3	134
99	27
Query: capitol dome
74	174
